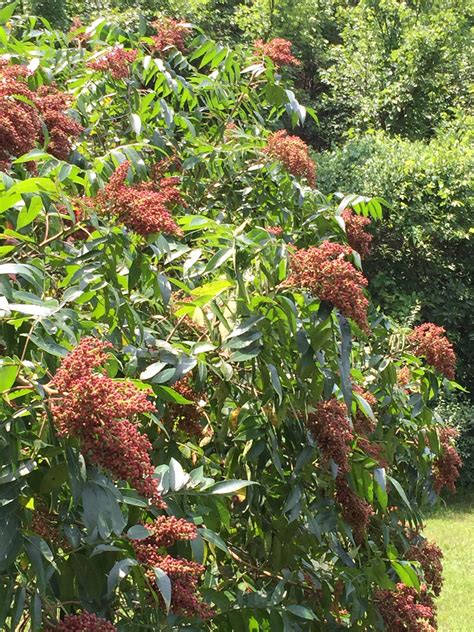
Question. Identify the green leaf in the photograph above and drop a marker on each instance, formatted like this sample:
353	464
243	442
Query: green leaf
29	213
136	123
118	572
101	510
54	478
407	574
364	405
46	343
167	394
178	477
213	538
138	532
8	374
152	370
30	273
228	487
400	490
18	606
8	474
302	612
7	11
164	586
345	360
275	380
34	155
36	612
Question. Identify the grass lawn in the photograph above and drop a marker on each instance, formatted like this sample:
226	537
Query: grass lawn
452	528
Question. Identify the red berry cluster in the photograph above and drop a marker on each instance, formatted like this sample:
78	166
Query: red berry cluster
79	38
276	231
446	467
186	417
324	271
170	163
183	574
61	127
97	410
84	622
116	60
355	511
293	152
429	340
429	556
278	50
45	524
329	426
406	610
166	531
21	122
403	376
144	207
356	236
169	33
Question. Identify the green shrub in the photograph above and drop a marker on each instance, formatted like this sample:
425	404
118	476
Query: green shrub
53	10
400	66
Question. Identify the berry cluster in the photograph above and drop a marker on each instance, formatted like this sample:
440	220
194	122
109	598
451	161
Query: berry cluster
183	574
406	610
446	467
21	122
329	426
116	60
355	511
97	410
357	237
278	50
164	532
79	38
45	524
429	340
84	622
144	207
293	153
169	33
61	127
403	376
186	417
324	271
429	556
276	231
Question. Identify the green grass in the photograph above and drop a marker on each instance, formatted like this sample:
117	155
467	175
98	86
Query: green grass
452	528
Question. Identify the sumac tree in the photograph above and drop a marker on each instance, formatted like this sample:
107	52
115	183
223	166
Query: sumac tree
205	424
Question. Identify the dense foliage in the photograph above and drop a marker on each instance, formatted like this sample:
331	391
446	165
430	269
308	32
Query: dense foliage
205	423
422	263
